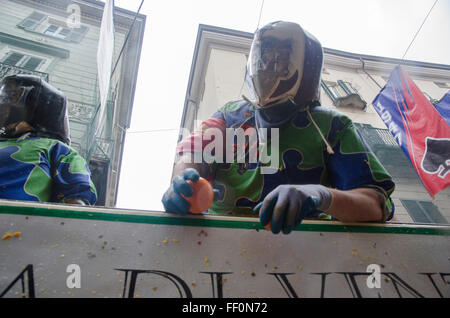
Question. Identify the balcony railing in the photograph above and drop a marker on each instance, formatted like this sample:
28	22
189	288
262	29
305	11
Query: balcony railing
377	137
104	149
6	70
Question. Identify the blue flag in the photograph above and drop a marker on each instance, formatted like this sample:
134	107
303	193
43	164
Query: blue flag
418	127
443	107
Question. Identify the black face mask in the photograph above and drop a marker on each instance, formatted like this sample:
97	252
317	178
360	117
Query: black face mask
14	116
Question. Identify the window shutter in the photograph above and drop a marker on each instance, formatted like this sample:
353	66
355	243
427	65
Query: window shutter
328	91
433	212
415	211
345	87
423	211
32	21
77	34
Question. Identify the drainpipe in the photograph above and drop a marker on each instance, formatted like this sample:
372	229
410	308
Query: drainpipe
370	76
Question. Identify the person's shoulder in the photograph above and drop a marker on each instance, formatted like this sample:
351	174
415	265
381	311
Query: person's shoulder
71	150
45	141
234	113
236	106
29	141
332	113
55	145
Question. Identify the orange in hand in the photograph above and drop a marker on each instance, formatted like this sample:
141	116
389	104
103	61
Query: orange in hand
267	226
202	198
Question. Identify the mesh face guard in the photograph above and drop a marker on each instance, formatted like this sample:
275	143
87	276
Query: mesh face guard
274	56
285	64
275	65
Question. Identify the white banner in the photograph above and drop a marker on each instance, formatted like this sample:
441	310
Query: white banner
60	251
105	53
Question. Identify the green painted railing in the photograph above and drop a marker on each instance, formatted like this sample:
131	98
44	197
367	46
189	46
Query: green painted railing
160	218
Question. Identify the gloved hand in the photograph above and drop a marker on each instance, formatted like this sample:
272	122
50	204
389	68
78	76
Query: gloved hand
287	205
173	201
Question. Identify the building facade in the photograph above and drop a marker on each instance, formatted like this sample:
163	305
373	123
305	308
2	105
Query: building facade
58	41
349	84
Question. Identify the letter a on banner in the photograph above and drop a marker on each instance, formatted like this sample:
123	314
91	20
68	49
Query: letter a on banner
104	57
421	132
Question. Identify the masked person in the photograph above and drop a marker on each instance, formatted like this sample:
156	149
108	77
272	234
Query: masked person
36	161
326	170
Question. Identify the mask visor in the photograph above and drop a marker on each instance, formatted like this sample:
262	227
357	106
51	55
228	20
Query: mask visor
269	64
12	107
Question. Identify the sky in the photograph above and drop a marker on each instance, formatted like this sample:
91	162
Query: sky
374	27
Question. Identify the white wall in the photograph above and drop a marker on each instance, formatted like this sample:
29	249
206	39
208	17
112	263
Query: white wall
223	81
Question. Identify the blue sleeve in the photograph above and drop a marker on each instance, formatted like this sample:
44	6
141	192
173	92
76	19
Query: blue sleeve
354	165
71	175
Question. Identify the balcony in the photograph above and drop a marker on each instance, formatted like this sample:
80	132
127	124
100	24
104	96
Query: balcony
377	137
6	70
342	94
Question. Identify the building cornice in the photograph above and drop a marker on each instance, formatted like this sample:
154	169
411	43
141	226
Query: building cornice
233	38
384	65
91	11
209	37
33	45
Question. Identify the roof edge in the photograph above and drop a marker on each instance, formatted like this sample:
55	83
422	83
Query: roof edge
356	56
391	60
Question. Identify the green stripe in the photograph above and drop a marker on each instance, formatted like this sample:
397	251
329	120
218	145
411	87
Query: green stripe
220	223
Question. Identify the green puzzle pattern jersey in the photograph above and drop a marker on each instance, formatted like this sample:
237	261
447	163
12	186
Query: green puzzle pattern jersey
43	170
303	159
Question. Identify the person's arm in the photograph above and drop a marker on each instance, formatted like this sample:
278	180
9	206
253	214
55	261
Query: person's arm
357	205
186	168
287	205
72	182
364	187
77	201
360	185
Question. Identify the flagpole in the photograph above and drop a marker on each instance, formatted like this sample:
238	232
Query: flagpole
122	49
126	38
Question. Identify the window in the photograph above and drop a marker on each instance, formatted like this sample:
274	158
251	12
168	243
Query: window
41	23
23	60
57	31
347	87
423	211
32	21
343	94
332	90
